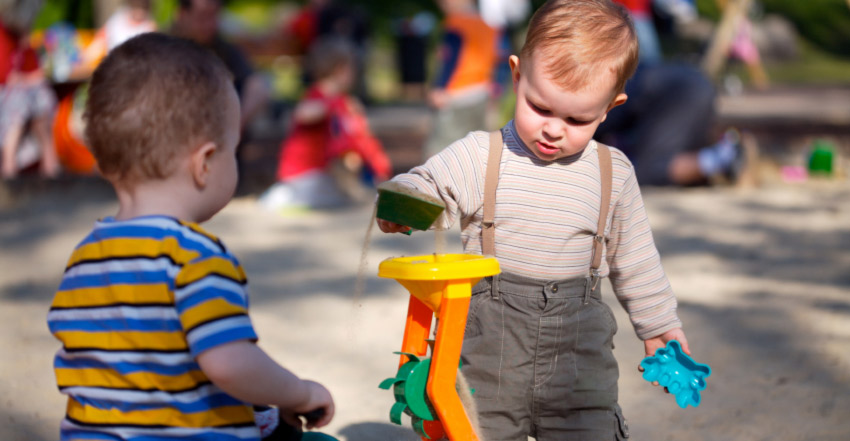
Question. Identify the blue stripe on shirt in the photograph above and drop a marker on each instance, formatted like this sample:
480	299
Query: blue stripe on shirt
230	335
220	399
119	324
154	233
126	367
210	293
114	278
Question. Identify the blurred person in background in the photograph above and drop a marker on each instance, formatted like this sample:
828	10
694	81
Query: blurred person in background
462	88
340	20
330	156
505	16
198	20
666	126
26	99
131	19
412	33
303	28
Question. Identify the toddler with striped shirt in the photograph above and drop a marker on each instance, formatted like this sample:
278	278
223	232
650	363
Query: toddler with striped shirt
152	310
559	211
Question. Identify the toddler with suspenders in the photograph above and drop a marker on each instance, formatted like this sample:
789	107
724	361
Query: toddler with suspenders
559	211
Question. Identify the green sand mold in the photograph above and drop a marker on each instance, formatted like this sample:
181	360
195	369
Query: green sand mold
405	206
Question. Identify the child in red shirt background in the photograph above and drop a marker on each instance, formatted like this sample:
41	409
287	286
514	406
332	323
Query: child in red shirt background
330	152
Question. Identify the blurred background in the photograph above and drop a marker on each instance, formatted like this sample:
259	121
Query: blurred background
755	235
780	68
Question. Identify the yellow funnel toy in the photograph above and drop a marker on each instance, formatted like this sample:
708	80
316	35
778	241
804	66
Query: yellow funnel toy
441	285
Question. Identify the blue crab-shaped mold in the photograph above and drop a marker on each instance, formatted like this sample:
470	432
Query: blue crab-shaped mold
679	373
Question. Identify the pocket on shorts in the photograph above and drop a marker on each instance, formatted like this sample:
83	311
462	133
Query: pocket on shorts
482	347
608	313
473	326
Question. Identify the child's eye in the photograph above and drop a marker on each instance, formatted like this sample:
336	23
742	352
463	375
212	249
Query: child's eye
578	122
539	109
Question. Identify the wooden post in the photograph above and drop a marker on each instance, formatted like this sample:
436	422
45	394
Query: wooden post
718	50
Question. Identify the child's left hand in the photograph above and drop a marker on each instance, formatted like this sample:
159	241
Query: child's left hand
653	344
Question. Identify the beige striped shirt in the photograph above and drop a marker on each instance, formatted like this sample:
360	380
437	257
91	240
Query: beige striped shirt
546	216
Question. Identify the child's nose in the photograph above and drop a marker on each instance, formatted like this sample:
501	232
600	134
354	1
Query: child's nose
553	129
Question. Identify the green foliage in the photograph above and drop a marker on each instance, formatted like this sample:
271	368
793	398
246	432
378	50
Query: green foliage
163	12
826	23
79	13
708	9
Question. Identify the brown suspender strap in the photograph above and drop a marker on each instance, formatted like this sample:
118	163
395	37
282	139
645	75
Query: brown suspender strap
606	177
491	181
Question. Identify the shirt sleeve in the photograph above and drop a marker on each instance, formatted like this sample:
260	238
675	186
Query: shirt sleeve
455	176
636	274
449	58
212	303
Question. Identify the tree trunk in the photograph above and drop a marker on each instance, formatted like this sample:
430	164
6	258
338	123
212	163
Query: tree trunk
718	50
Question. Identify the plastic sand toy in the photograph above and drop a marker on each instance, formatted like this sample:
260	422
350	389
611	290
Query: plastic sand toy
678	372
405	206
425	388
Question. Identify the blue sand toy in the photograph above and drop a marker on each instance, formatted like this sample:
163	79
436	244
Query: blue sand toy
679	373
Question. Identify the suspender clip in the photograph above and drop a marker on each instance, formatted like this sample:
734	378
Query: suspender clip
590	284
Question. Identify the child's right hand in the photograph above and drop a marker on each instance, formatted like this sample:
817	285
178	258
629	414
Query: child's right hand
392	227
319	399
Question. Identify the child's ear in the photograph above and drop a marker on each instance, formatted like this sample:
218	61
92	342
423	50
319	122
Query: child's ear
513	61
618	100
200	163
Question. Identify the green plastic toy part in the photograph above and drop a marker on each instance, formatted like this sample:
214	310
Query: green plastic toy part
409	389
405	206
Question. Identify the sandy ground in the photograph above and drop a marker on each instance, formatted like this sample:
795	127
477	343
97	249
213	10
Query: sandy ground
763	279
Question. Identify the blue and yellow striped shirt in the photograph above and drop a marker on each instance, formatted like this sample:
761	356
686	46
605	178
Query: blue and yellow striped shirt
139	300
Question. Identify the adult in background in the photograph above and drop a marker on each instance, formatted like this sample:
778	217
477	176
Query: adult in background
198	20
461	89
665	127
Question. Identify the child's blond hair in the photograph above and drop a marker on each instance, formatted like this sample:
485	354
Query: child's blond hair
576	39
151	99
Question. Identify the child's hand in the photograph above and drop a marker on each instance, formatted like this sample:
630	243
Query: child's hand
392	227
653	344
438	98
320	400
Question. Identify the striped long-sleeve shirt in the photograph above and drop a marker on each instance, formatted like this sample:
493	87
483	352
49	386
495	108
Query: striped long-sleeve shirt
139	300
546	216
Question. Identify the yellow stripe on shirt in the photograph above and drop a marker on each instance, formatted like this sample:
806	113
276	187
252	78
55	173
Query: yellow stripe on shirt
219	416
210	310
144	380
214	265
123	340
157	293
132	247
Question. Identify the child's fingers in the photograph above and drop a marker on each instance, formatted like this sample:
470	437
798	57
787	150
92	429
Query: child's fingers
291	419
329	414
325	415
684	343
392	227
